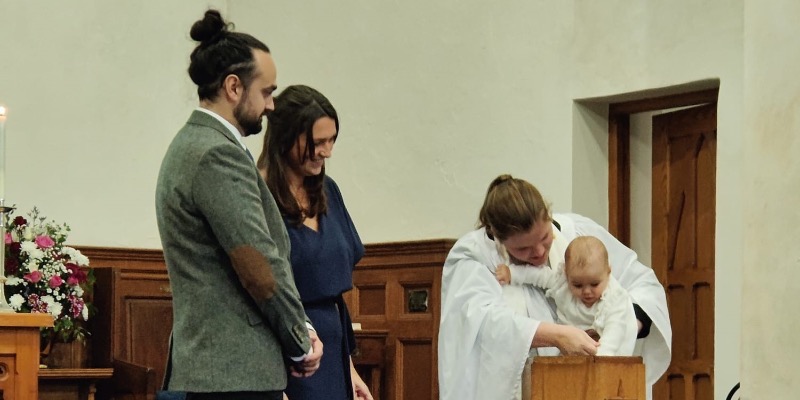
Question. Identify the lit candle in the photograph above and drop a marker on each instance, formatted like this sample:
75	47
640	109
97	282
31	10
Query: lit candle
3	111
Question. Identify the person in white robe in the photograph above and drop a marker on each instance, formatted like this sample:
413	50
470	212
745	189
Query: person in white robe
486	331
585	293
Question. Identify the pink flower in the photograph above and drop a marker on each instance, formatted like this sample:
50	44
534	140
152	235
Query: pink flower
9	240
36	304
76	274
34	276
44	241
76	306
56	281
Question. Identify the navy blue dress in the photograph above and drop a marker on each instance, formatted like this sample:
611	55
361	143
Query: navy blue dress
323	262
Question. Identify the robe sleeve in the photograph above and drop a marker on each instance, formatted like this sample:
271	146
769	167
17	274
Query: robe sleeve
645	290
483	343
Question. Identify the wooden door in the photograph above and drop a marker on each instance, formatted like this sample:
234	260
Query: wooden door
684	201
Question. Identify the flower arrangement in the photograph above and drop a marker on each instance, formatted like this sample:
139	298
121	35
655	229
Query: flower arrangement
45	276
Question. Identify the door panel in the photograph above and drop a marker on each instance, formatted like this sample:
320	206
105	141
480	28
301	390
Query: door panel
684	201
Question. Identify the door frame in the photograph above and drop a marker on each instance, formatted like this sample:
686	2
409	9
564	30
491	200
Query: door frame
619	165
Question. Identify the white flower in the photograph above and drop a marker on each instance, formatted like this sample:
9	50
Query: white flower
57	267
76	256
27	233
32	250
53	307
62	231
85	313
13	281
32	265
26	246
78	290
16	301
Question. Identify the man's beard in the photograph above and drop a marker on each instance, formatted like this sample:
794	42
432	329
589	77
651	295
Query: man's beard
250	125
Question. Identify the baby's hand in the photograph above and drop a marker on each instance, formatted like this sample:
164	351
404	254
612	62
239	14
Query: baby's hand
503	274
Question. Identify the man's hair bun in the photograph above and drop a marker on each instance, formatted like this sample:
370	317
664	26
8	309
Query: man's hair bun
208	28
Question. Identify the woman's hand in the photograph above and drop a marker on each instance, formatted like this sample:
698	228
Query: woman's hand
576	342
570	340
310	363
360	389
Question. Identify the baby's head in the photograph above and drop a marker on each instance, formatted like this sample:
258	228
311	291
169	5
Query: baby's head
587	269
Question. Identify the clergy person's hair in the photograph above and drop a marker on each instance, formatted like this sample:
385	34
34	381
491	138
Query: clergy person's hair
584	251
221	52
297	108
512	206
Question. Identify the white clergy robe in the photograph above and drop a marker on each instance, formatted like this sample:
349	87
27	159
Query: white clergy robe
484	342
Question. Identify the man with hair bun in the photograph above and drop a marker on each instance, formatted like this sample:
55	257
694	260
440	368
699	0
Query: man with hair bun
238	320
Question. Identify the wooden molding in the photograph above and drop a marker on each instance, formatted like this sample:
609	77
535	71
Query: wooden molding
664	102
378	255
405	254
121	254
619	177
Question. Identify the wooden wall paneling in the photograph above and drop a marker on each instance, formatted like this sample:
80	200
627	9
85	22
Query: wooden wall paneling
411	274
101	327
416	369
138	319
396	297
369	359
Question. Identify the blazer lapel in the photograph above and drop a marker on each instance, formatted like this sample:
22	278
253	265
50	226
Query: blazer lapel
203	119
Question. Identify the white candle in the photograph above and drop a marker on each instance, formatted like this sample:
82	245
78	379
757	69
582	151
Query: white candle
3	111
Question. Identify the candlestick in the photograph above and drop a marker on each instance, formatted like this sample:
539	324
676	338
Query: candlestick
3	112
4	306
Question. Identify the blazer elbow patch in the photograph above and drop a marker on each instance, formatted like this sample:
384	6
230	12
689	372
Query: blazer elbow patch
254	271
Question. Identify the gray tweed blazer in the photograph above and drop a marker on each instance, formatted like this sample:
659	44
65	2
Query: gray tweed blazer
237	313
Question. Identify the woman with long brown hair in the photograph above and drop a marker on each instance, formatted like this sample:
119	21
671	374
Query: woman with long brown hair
301	132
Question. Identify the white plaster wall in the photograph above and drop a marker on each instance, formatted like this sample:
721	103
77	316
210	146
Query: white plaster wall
590	161
770	198
436	99
95	90
641	146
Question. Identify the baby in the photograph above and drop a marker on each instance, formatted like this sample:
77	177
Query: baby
586	294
